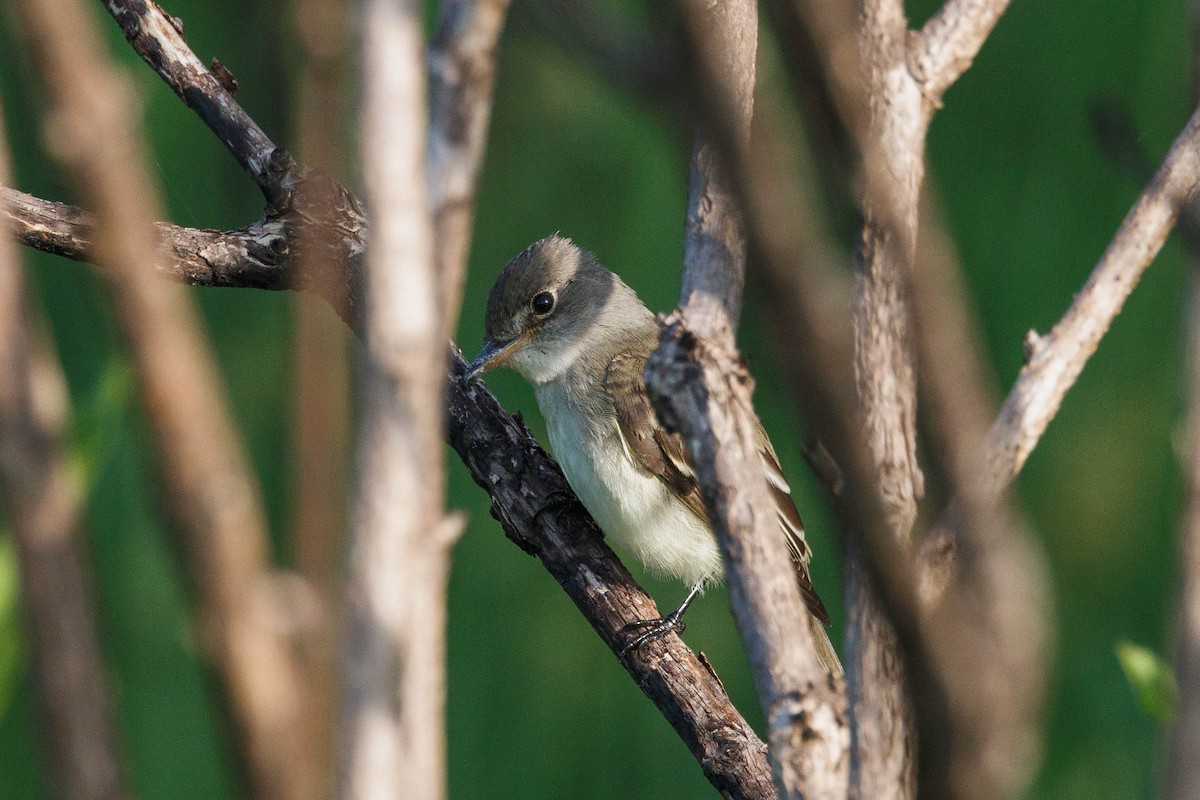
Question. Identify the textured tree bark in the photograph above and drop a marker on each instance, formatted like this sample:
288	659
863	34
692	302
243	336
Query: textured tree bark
701	387
44	507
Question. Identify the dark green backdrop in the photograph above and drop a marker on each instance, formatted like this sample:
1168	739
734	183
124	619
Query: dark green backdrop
538	708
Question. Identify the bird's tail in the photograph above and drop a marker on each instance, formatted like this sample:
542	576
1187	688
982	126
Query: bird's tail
825	651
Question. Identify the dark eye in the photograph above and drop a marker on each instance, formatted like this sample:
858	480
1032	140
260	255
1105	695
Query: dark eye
542	303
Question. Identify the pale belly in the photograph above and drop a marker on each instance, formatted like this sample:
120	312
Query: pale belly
635	510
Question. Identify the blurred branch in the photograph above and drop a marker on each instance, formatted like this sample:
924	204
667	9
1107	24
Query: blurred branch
211	491
520	477
44	506
392	716
462	68
320	418
1183	762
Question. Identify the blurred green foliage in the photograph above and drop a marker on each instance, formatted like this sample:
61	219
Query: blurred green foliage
538	708
1152	681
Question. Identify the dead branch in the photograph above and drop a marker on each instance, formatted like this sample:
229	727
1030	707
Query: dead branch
520	477
211	491
701	388
44	505
1055	360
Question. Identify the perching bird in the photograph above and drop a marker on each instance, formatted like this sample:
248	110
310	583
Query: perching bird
581	337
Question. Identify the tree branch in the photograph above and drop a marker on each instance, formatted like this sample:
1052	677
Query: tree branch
44	505
1054	361
522	480
943	50
392	718
700	387
210	488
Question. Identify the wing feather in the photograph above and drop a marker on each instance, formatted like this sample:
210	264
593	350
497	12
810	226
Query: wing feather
660	453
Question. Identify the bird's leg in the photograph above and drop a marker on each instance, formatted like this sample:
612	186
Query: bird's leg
651	629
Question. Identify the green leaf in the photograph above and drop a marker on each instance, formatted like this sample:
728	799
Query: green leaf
1152	681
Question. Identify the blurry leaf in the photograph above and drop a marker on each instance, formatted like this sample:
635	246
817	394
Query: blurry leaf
1152	681
12	642
98	422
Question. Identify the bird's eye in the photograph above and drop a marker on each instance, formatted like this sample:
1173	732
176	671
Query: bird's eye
542	303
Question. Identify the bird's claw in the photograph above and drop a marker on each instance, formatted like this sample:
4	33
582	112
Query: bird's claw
651	630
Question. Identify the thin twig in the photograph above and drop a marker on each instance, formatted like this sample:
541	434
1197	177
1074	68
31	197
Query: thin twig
44	505
211	490
1055	360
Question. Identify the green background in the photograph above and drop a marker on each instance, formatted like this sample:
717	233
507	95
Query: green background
538	707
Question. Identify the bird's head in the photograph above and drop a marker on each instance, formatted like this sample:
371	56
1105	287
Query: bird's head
550	305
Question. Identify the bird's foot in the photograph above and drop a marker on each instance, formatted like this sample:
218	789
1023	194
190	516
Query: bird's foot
649	630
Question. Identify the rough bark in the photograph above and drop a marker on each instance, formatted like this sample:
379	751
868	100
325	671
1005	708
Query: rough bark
701	387
528	490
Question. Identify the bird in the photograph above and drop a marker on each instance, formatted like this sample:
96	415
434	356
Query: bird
581	336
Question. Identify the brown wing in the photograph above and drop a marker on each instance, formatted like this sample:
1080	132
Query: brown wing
659	452
793	526
662	454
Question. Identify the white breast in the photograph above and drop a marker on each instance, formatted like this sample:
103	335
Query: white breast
635	510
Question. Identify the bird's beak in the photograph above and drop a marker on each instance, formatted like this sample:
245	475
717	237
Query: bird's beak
494	354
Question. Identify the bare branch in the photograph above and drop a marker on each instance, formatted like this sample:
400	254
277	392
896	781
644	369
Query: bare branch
944	49
462	67
321	403
701	387
44	505
158	39
1055	360
527	490
522	480
393	697
211	490
255	257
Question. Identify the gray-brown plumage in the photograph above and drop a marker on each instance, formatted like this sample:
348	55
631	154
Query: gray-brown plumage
582	337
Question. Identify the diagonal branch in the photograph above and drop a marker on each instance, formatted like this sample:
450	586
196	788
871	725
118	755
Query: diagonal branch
210	488
1054	361
943	50
507	462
